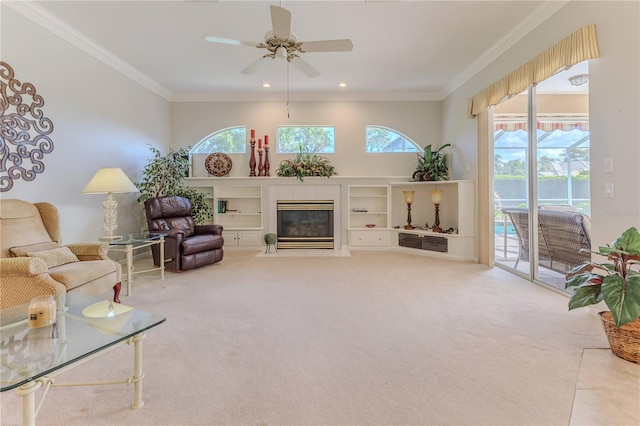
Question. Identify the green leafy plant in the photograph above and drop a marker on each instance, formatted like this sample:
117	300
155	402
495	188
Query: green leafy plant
306	164
432	165
617	282
164	175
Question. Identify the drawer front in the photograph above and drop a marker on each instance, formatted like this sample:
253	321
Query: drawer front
424	242
370	238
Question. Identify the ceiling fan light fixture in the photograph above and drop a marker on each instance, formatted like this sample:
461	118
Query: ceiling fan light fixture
281	52
342	84
266	85
579	80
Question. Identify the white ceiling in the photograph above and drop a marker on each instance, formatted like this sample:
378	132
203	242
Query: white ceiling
402	49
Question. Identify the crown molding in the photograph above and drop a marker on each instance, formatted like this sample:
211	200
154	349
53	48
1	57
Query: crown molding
40	16
306	97
542	13
30	10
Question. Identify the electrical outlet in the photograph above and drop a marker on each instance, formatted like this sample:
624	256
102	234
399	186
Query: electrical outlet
608	165
608	190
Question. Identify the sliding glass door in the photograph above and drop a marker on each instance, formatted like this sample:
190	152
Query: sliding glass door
542	165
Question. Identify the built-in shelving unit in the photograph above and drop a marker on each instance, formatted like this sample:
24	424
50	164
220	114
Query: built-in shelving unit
238	207
239	210
249	203
368	216
457	212
368	205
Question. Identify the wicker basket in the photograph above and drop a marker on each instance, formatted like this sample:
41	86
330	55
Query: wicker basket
625	340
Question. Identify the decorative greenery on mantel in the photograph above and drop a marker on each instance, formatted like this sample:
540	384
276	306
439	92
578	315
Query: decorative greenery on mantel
305	164
432	165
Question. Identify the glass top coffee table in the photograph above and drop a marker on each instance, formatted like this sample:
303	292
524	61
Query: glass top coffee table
85	329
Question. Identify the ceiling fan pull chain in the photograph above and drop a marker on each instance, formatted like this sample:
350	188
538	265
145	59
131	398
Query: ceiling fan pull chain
288	114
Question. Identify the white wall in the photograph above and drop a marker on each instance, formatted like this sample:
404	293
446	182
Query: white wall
614	99
101	119
420	121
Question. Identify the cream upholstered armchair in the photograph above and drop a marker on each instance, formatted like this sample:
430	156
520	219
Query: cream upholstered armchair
34	263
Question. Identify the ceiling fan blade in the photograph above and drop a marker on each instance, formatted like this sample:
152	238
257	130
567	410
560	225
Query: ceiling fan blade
343	45
253	67
304	66
280	22
213	39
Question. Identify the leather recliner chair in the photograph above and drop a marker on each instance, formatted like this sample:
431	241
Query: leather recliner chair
187	245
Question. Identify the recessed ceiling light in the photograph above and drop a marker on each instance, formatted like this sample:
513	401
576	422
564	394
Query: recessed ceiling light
266	85
342	84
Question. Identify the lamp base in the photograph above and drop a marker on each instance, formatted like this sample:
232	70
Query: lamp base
111	238
409	226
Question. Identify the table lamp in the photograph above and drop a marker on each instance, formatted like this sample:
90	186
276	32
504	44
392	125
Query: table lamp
109	181
436	198
408	198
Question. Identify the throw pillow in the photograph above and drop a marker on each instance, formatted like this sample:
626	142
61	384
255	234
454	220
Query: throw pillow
23	250
55	257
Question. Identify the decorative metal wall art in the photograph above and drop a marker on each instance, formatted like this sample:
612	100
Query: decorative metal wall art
24	130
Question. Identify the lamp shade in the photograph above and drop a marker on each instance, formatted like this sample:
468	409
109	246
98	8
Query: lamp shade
436	196
109	180
408	196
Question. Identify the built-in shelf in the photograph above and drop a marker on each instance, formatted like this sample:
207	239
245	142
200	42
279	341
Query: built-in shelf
456	212
374	201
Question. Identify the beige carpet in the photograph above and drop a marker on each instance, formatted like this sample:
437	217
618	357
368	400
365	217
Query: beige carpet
374	338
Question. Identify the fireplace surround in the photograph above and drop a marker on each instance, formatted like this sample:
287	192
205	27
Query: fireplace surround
305	224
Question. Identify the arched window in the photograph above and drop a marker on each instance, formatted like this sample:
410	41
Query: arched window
230	140
384	139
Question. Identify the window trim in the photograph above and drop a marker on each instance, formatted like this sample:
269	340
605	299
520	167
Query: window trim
202	141
324	126
418	147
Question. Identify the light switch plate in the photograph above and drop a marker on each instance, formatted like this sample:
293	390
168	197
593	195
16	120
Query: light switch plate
608	190
608	165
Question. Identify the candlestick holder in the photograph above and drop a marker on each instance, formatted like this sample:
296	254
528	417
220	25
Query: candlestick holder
260	165
252	160
266	161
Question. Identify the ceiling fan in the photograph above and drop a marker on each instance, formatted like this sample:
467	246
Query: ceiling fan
280	43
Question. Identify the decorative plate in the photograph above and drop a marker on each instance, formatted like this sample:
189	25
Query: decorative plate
218	164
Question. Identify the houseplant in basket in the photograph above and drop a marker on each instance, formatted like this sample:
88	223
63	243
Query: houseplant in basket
617	282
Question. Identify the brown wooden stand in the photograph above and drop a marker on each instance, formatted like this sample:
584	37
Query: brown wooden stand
266	161
252	160
260	165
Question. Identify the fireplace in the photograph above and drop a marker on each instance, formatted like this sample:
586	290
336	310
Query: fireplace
305	224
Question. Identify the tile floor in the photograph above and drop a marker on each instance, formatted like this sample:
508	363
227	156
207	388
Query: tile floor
607	391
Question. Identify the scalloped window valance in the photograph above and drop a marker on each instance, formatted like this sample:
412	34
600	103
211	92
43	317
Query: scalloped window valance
577	47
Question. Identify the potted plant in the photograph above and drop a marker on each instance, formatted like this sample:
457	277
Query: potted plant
432	165
164	175
306	164
617	283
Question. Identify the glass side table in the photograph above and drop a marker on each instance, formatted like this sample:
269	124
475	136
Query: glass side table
131	242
